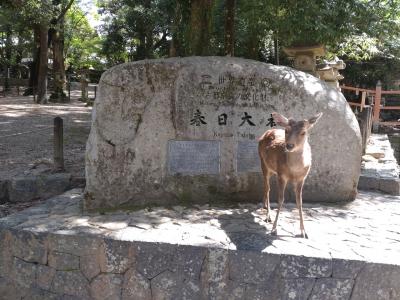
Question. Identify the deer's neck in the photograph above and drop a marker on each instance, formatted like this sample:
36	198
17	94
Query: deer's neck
300	158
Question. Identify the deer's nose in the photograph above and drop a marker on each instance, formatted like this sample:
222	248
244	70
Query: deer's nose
289	147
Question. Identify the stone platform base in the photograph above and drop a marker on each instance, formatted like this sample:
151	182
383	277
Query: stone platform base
53	251
379	169
28	188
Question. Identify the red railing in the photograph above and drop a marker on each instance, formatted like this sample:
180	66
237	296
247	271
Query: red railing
376	103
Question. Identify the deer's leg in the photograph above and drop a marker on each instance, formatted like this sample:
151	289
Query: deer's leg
281	193
299	202
266	206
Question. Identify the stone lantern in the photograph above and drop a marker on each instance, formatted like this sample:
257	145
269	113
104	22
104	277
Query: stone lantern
305	58
84	84
329	71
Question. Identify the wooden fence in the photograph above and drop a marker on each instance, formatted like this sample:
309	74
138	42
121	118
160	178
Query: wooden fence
370	105
376	102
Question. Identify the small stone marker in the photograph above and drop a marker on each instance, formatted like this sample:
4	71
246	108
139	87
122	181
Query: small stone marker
186	129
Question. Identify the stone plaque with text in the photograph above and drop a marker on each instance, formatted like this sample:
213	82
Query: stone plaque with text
193	157
247	157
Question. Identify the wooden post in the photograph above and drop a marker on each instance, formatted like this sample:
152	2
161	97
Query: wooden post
58	144
365	118
363	96
95	92
377	104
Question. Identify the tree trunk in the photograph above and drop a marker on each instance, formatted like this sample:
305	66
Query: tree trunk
174	40
145	46
18	57
148	30
8	53
229	27
141	49
253	46
34	65
276	48
199	31
57	40
43	59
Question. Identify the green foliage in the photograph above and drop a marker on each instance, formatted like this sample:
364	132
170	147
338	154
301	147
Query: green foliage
363	32
82	43
135	29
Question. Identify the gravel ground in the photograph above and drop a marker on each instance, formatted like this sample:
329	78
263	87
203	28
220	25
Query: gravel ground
26	135
26	138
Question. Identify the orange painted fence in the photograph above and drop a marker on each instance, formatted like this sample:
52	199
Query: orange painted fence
377	106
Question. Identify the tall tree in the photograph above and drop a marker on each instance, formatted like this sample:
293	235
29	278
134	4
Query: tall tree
199	27
82	44
37	15
43	63
229	27
56	34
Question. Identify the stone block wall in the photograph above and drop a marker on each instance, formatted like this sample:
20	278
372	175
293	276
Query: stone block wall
68	266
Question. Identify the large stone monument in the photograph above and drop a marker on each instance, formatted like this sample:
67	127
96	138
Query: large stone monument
185	130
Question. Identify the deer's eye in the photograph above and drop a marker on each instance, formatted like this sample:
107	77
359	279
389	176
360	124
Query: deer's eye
303	133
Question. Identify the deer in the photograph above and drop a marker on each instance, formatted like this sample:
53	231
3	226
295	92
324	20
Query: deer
287	154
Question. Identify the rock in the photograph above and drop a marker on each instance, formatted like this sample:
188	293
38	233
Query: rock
90	266
71	283
116	256
300	266
252	267
53	184
348	269
377	282
106	286
153	259
189	261
23	189
11	290
45	276
3	191
165	286
332	289
29	247
185	129
215	272
390	186
376	155
24	273
297	289
78	245
63	261
39	294
135	286
368	157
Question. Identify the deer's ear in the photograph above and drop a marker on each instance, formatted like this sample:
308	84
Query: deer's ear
314	119
280	120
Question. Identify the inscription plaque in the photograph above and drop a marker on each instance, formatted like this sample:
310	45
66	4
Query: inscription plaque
193	157
247	157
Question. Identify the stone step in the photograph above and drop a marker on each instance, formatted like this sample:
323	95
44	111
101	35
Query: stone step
379	169
53	250
41	186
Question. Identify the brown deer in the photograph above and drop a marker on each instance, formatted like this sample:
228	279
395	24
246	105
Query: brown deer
287	154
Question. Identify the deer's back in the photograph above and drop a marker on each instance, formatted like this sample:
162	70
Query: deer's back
271	148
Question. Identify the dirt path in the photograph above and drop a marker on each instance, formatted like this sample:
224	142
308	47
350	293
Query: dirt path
26	135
